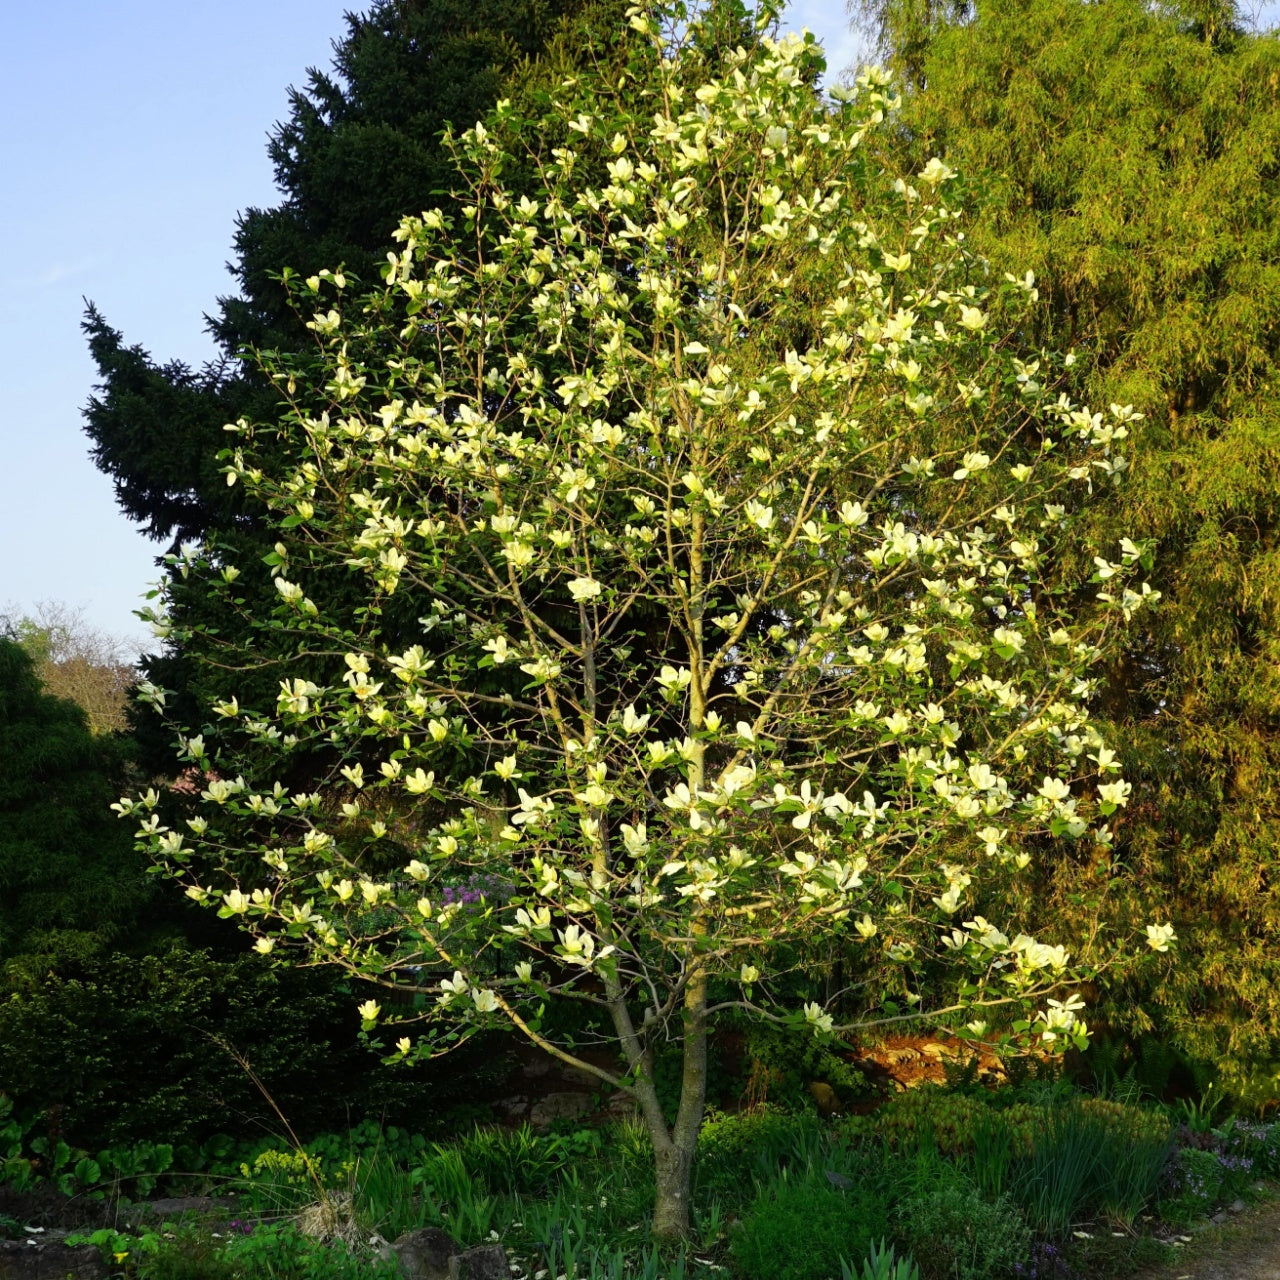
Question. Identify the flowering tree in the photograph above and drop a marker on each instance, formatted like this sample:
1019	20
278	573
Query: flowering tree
720	646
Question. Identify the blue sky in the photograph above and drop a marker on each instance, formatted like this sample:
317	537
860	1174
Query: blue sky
134	131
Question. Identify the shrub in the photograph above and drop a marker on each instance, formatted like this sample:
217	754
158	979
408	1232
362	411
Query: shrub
761	1142
952	1121
954	1234
1194	1185
801	1229
1261	1143
117	1049
282	1253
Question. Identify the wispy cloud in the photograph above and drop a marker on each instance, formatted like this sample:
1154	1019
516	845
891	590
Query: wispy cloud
56	272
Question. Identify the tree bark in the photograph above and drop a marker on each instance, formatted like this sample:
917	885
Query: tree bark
671	1217
673	1158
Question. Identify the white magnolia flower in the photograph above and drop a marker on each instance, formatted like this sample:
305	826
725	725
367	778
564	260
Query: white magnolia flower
452	988
814	1015
369	1011
633	723
986	934
1160	936
501	650
418	783
935	173
1054	789
635	839
584	589
1114	794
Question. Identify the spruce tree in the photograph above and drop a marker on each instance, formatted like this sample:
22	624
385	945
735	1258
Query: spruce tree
361	147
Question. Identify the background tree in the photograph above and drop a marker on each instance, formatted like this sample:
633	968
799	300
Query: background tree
360	148
75	660
63	864
1127	154
906	698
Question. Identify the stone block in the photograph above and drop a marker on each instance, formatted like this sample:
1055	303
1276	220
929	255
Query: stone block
424	1254
484	1262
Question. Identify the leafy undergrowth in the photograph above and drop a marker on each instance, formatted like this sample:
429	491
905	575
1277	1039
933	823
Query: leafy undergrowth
941	1184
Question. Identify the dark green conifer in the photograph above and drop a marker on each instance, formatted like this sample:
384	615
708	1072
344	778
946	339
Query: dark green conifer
67	864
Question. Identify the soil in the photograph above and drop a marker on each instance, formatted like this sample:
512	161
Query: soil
1245	1247
45	1206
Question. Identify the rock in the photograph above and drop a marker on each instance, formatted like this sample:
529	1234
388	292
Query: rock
484	1262
1219	1218
826	1097
52	1260
1236	1206
134	1215
622	1105
424	1254
560	1106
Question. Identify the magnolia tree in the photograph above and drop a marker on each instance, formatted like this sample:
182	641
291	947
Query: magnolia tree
723	505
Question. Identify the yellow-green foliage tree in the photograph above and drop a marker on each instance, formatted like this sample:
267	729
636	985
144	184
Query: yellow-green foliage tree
566	416
1127	153
75	660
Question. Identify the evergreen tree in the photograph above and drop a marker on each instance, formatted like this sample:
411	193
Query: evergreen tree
361	147
66	864
1130	159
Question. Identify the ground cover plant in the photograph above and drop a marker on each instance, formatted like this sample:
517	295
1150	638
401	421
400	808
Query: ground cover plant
773	1194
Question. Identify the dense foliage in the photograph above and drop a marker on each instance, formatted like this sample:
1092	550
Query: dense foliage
64	864
1127	153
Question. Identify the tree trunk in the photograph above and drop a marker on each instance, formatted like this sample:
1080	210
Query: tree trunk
671	1219
673	1158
